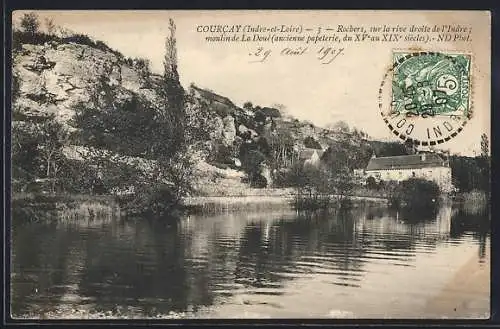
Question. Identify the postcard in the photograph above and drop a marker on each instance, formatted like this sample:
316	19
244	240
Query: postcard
221	164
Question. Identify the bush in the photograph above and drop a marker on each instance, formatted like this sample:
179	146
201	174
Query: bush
311	143
86	40
470	173
157	200
371	183
222	155
30	23
39	38
283	178
416	192
77	177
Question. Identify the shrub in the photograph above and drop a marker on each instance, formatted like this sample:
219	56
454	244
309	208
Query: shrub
416	192
157	200
77	177
86	40
30	23
371	183
283	178
222	155
310	142
39	38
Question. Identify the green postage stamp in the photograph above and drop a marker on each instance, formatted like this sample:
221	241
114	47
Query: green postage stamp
430	96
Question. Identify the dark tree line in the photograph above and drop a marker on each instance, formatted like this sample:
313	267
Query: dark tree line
470	173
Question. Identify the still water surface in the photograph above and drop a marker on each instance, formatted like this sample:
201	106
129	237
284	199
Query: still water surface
369	262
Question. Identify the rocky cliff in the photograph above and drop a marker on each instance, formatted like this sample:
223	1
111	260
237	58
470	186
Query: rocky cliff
53	77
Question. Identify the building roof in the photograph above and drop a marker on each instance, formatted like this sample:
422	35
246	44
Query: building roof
307	153
414	161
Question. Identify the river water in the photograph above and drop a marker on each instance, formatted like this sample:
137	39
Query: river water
368	262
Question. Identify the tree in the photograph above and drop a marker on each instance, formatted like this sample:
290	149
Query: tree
50	26
340	126
54	137
16	86
339	156
128	127
173	108
343	183
259	117
170	58
252	155
312	143
371	183
485	147
410	147
282	149
143	67
30	23
314	186
417	193
385	149
469	173
281	108
25	156
172	174
248	106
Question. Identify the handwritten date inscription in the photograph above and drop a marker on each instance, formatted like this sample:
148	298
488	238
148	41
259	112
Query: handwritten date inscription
325	55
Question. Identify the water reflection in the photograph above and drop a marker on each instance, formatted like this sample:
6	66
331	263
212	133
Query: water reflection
213	260
476	221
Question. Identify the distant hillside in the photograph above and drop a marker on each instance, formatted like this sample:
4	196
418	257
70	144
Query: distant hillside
260	121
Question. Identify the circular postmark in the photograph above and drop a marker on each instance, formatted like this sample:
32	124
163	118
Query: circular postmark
425	97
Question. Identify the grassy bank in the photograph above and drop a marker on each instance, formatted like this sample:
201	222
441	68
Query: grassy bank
67	207
268	199
245	192
63	198
234	203
31	207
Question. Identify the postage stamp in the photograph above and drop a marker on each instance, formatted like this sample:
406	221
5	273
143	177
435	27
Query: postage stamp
427	98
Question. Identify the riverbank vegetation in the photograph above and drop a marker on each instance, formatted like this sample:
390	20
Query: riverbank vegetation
415	193
36	207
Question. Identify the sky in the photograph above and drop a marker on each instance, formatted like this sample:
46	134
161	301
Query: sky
346	89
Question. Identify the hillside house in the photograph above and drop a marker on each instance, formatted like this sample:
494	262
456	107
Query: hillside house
310	156
430	166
